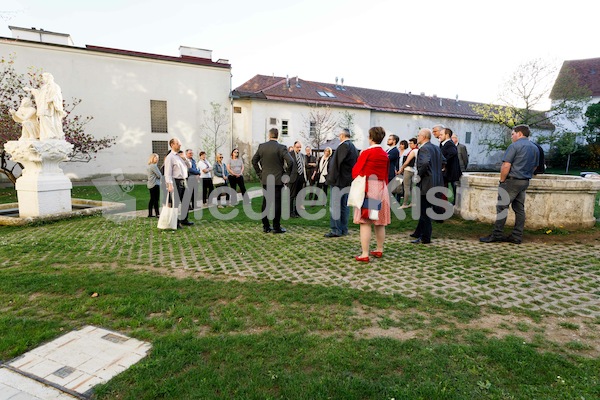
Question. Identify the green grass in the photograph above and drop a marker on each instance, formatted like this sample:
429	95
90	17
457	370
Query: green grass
220	335
214	339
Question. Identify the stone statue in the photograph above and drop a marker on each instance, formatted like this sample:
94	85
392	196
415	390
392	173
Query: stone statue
43	188
50	112
26	116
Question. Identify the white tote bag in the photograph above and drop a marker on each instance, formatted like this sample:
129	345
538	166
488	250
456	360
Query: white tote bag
356	197
168	215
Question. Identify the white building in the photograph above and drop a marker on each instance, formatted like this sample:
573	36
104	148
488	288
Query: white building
140	99
586	73
264	102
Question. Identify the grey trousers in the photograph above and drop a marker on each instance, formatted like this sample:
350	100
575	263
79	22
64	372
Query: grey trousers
511	192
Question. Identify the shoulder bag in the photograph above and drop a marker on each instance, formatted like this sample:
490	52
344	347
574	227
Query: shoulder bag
168	215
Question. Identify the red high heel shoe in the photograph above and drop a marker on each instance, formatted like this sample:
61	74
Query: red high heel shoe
377	254
362	259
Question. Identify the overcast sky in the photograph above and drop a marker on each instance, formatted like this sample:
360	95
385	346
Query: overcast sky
448	48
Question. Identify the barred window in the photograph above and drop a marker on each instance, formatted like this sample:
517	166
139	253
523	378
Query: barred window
284	127
468	137
237	110
160	147
158	116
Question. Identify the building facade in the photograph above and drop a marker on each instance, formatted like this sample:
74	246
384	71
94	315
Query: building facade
295	105
140	99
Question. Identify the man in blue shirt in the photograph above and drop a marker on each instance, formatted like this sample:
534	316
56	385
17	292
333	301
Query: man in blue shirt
518	164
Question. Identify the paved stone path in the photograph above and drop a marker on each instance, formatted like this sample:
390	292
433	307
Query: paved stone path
561	278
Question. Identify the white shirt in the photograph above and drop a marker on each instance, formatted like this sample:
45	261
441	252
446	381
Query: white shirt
175	168
204	164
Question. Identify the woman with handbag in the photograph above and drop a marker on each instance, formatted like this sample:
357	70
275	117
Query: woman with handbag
373	163
205	177
153	184
220	178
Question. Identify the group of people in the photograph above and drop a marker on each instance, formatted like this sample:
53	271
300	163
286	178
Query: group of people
434	168
181	169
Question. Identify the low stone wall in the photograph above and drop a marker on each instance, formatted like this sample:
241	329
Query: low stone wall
552	200
9	213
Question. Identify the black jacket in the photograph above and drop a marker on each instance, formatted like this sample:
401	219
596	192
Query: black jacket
272	158
340	166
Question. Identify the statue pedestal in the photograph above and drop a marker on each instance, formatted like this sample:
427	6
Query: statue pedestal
43	188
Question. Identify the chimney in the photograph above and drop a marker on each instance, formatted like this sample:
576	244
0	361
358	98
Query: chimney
40	35
186	51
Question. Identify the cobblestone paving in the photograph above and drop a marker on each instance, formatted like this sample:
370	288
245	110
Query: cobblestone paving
558	278
562	279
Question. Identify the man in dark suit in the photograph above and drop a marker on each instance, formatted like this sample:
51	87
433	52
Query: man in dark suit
452	172
298	176
541	168
269	162
463	154
339	177
429	168
394	157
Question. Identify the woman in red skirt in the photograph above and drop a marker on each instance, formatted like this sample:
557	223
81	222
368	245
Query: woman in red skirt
373	163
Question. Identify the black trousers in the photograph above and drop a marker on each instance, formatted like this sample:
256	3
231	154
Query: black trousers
207	188
424	229
154	198
180	185
234	182
294	190
267	206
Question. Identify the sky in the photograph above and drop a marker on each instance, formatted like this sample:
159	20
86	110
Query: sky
453	48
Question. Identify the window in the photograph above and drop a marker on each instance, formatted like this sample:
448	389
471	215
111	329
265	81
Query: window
158	116
237	110
273	121
467	137
160	147
325	94
284	127
313	129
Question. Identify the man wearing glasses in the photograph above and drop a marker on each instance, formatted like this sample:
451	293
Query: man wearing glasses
518	164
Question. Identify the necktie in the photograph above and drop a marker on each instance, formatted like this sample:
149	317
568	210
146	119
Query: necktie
300	164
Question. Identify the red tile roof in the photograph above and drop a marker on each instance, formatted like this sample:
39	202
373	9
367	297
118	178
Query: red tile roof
302	91
588	72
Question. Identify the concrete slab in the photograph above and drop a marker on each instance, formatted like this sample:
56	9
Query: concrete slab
14	386
73	363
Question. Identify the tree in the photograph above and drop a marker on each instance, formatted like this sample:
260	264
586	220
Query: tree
320	122
524	94
592	126
346	121
85	146
215	127
591	131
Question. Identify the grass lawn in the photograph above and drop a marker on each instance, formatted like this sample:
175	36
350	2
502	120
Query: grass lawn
222	335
